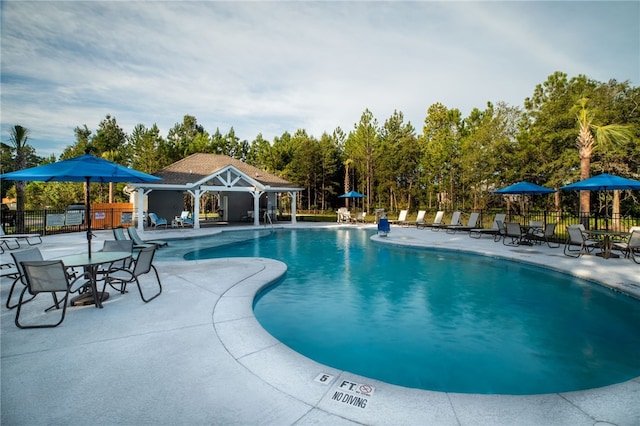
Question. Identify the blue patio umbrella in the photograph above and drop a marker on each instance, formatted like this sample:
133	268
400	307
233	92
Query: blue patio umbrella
352	194
524	188
85	168
604	182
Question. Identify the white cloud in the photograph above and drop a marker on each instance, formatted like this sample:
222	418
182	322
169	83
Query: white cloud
270	67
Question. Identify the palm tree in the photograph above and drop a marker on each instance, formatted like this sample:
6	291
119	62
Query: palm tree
18	139
591	137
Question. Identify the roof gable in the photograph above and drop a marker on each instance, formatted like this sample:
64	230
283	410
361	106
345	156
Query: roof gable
212	169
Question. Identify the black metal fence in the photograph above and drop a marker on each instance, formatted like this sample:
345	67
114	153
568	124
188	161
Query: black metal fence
49	222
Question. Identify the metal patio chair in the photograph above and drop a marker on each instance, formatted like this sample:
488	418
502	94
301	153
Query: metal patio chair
47	276
143	264
578	238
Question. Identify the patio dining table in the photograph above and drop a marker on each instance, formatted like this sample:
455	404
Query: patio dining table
91	265
606	236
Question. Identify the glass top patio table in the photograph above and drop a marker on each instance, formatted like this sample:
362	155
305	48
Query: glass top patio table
91	265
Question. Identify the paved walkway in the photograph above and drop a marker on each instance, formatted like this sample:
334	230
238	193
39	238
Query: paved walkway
196	355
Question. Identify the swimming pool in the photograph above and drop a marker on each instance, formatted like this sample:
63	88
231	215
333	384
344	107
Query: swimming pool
439	320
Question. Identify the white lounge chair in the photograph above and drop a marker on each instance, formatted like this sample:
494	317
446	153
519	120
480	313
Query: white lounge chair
455	221
437	221
420	218
402	218
471	223
184	219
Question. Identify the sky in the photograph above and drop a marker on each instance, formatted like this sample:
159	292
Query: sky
273	67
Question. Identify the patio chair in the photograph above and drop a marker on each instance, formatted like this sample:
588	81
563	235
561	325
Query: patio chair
156	221
140	243
47	276
115	245
631	247
514	232
471	223
437	221
360	217
184	219
143	264
544	236
420	218
493	231
344	215
455	221
27	255
579	238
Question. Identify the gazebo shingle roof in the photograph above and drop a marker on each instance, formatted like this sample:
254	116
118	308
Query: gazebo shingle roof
198	166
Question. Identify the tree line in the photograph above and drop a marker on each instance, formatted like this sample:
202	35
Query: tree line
568	129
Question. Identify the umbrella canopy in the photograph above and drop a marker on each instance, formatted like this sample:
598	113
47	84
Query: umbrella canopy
524	188
603	182
85	168
352	194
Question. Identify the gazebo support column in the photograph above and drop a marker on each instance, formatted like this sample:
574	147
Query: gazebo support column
256	208
293	207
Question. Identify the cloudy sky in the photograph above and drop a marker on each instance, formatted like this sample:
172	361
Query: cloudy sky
271	67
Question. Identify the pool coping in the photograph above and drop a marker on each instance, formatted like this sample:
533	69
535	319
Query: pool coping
336	392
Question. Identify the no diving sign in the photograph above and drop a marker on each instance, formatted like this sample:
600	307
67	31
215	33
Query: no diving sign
353	394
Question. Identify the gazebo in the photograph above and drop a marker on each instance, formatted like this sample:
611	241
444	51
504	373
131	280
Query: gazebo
238	186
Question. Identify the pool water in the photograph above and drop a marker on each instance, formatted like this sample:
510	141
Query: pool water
439	320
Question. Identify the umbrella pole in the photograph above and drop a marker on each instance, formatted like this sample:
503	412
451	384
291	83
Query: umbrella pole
88	216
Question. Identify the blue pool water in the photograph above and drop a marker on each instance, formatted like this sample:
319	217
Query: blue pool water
438	320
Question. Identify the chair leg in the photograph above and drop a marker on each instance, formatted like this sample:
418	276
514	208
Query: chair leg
159	286
22	302
568	251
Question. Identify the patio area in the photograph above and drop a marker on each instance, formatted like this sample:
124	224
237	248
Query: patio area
196	354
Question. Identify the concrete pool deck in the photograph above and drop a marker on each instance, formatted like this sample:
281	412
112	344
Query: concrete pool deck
196	354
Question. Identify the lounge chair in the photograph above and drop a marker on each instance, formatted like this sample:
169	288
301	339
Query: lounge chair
471	223
402	218
493	231
137	241
143	264
119	235
156	221
383	227
578	237
47	276
631	247
184	219
455	221
437	221
420	218
544	236
29	238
